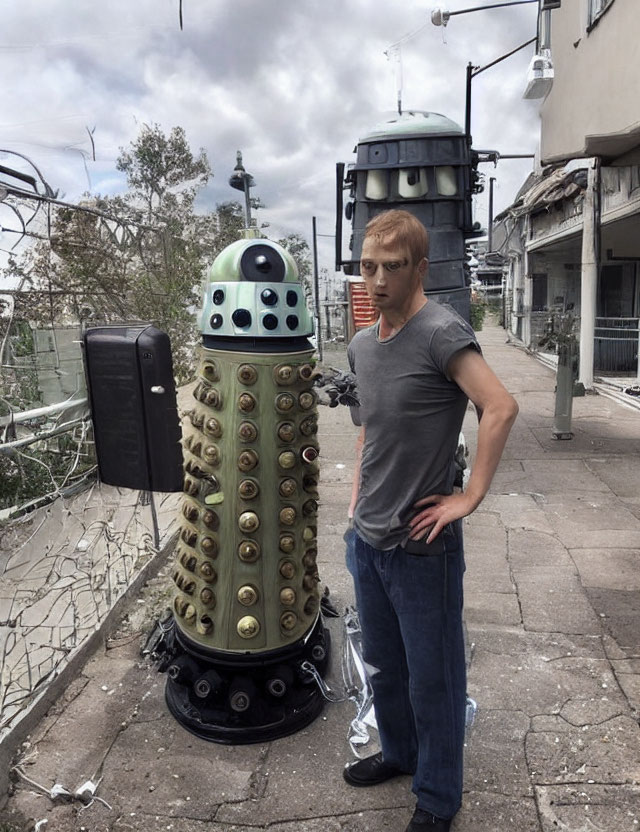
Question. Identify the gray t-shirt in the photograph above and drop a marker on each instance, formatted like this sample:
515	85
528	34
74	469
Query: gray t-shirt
412	413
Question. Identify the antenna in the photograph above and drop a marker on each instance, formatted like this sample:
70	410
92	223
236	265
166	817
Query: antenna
394	53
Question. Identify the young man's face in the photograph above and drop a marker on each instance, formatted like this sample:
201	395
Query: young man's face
391	279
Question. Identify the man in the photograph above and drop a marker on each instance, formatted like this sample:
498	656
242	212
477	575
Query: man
416	369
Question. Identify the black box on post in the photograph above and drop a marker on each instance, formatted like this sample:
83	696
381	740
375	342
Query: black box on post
133	407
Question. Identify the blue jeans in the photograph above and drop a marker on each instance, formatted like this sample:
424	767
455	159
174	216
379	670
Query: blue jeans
410	609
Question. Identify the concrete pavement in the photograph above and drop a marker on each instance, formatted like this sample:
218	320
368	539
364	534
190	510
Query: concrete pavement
553	615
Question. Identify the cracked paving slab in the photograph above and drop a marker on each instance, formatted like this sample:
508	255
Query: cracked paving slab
589	808
605	754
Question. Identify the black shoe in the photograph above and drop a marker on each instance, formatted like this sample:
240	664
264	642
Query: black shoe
370	772
426	822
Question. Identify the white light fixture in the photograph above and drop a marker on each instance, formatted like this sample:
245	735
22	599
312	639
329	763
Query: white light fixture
440	16
539	76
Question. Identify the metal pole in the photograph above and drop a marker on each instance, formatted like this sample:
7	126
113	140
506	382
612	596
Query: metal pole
316	286
492	6
492	179
247	200
589	278
467	105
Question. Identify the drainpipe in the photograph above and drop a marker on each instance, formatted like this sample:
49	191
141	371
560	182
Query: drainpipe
527	289
589	278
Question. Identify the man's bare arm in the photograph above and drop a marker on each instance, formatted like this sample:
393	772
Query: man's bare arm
498	410
355	488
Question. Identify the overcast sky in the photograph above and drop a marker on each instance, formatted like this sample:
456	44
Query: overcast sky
292	83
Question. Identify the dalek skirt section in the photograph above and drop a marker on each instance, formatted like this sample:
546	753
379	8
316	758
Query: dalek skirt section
245	566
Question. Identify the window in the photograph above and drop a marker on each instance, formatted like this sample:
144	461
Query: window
377	185
596	9
446	181
412	183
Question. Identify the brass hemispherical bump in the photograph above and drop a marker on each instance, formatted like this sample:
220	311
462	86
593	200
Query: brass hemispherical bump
210	371
287	543
190	614
247	374
309	426
190	512
287	569
283	374
309	533
306	400
212	398
286	432
309	581
309	454
287	596
248	627
311	605
211	520
248	489
248	521
248	551
207	596
180	605
284	402
309	507
213	427
204	625
247	460
288	487
189	536
247	595
309	482
209	546
211	454
246	402
287	459
288	620
309	559
197	418
287	516
207	572
188	560
191	487
305	371
247	432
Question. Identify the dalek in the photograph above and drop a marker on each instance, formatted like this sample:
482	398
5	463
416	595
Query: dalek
248	642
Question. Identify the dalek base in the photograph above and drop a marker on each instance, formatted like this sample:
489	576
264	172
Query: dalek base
240	699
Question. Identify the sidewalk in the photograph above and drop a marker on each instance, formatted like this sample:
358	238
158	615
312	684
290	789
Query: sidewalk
553	614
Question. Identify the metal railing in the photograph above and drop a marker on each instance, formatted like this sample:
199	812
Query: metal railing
616	345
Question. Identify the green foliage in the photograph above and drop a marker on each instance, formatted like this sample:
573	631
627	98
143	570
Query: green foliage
298	248
477	311
162	169
136	257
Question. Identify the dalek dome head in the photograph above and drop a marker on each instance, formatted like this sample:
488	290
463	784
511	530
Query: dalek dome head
252	291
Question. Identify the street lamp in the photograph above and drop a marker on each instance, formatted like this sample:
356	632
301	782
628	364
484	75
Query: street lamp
540	75
242	181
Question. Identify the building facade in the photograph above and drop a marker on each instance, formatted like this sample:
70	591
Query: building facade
572	236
